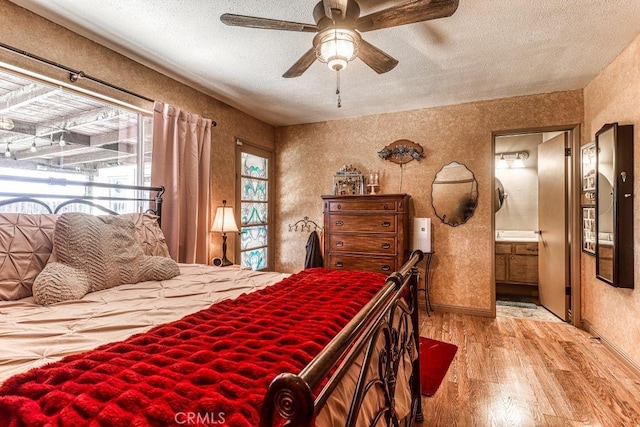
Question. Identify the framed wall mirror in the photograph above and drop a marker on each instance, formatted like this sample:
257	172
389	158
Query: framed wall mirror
614	205
454	194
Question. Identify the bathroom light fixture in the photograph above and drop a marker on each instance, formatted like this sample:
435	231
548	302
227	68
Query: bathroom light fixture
517	163
502	163
514	159
7	152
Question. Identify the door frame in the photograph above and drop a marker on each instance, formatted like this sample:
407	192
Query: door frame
574	210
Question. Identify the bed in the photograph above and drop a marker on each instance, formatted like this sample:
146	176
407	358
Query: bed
208	345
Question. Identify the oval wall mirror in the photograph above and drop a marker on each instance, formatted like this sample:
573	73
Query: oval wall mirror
454	194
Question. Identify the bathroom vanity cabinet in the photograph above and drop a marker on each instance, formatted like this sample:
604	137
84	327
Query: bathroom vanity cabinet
517	263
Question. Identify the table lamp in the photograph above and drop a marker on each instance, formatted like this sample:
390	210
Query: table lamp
224	222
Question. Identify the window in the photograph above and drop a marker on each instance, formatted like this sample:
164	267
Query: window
48	131
255	206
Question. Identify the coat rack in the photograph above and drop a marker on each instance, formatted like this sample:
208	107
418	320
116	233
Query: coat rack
305	225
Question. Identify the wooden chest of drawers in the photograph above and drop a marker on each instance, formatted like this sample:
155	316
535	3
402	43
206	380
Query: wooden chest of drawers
366	232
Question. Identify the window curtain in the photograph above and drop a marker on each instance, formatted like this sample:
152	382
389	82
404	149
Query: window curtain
180	162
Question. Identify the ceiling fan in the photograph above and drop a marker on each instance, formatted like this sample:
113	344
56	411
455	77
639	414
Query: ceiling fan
338	27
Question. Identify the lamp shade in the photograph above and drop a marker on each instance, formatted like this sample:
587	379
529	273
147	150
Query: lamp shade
517	163
224	220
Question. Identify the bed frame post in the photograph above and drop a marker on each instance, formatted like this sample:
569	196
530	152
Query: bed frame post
290	396
415	318
159	205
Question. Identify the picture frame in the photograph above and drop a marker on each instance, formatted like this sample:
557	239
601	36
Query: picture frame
589	230
588	167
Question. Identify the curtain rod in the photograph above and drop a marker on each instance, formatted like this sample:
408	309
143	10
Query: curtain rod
74	75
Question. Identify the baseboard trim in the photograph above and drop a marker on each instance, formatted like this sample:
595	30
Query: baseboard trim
617	351
469	311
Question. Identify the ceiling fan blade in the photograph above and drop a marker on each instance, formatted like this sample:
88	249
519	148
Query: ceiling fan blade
379	61
407	13
266	23
301	64
331	5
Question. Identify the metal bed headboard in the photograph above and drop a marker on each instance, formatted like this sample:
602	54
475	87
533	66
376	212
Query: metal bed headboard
153	194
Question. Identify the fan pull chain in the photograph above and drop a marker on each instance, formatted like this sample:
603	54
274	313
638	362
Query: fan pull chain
338	90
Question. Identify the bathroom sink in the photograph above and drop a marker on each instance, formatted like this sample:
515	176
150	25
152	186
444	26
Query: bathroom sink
516	236
516	239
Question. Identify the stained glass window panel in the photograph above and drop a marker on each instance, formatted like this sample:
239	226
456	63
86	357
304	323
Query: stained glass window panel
256	259
254	213
254	166
253	237
254	189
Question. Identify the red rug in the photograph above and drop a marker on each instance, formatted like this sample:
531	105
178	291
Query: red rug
435	358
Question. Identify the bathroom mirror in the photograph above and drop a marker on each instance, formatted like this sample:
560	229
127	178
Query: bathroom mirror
454	194
500	194
614	205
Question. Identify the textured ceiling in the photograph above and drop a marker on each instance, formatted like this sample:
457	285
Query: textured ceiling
488	49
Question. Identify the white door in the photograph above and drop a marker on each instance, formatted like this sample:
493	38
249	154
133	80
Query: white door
553	254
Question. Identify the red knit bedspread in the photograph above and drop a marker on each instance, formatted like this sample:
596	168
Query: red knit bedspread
211	367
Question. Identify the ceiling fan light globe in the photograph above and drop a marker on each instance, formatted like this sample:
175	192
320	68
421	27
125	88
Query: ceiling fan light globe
336	44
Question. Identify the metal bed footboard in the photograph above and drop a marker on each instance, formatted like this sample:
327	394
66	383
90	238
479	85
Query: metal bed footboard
291	397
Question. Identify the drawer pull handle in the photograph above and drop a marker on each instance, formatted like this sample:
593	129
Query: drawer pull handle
339	264
339	206
339	223
385	267
385	206
339	243
385	224
385	245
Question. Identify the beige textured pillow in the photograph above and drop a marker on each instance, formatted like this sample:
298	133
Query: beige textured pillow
148	233
104	250
26	241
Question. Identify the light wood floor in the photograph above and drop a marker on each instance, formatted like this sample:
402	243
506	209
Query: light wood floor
520	372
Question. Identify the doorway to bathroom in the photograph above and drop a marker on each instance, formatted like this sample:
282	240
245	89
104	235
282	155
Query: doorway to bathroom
533	220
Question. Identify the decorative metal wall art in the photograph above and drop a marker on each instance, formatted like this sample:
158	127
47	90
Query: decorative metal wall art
402	151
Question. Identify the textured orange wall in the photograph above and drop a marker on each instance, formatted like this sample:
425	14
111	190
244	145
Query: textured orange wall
29	32
614	96
308	155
